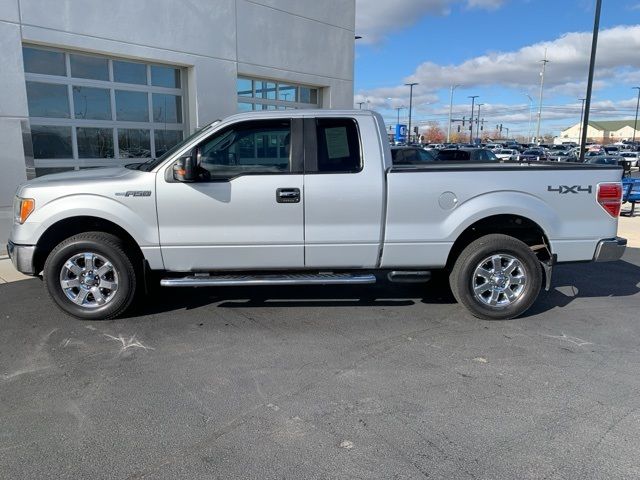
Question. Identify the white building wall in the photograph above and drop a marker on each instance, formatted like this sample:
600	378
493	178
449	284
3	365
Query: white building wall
303	42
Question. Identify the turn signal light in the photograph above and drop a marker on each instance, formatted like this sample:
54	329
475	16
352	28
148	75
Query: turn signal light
27	206
610	197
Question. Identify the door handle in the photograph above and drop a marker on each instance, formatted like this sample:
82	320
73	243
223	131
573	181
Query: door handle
288	195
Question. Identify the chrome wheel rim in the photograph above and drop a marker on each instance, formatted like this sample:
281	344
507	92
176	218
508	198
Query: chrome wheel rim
89	280
499	281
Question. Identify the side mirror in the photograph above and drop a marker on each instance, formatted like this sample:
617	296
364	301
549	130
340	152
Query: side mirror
184	170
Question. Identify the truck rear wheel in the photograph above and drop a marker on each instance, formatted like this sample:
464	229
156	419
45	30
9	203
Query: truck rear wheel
496	277
90	276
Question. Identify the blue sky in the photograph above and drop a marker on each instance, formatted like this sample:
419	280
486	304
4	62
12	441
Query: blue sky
492	48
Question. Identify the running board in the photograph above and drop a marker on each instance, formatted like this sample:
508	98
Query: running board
291	279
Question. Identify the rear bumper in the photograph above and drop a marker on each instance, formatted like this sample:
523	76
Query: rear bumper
22	257
610	250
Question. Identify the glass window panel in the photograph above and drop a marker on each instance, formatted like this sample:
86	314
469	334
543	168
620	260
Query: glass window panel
134	143
266	90
165	139
95	142
92	103
47	100
338	146
43	61
167	108
244	87
51	142
288	93
129	72
165	76
132	106
248	147
308	95
245	107
84	66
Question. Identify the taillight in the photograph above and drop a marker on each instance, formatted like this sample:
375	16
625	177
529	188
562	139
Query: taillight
610	197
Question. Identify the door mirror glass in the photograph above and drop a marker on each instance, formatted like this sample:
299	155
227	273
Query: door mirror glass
184	170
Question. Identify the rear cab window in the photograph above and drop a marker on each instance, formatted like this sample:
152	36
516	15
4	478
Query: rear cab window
335	148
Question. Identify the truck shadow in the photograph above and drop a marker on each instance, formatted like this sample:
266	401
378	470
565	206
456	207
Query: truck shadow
570	282
591	280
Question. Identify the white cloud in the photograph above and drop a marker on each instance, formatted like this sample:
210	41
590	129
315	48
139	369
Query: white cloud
566	73
377	18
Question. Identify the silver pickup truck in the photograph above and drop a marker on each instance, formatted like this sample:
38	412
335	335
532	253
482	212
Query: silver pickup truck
310	197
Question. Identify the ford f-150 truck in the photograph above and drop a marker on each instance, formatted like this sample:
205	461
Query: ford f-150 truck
310	197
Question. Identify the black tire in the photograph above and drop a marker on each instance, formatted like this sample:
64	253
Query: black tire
468	276
122	276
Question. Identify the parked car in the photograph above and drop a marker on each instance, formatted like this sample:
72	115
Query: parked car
533	155
410	156
506	154
611	150
466	155
632	157
609	160
562	156
306	197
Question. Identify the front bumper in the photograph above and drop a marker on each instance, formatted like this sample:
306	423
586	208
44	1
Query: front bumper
22	257
610	250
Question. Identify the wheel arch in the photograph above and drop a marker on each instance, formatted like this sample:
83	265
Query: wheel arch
517	226
67	227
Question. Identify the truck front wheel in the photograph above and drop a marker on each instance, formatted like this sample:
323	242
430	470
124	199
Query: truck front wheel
496	277
90	276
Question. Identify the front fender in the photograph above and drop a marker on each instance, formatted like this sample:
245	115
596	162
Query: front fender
140	223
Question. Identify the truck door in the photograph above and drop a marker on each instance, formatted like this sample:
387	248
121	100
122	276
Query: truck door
344	194
246	209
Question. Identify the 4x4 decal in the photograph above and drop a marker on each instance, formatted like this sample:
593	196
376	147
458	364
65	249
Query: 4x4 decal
564	189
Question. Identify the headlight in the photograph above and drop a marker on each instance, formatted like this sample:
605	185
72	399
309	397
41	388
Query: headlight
22	208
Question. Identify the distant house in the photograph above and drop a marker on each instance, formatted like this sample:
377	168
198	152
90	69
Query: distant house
601	131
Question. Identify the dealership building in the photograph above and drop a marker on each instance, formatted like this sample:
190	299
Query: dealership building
87	83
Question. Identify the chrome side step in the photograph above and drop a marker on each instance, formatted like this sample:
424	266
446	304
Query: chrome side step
288	279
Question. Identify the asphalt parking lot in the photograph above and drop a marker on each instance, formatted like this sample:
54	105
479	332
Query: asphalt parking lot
382	382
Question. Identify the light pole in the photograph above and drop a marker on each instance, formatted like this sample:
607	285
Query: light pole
581	115
544	68
635	124
410	85
530	133
453	87
473	100
478	121
360	104
592	66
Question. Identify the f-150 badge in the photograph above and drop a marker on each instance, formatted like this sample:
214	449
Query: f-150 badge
564	189
134	193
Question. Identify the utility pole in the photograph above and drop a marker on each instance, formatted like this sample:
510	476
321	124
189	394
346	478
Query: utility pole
530	114
635	125
544	68
581	116
453	87
592	65
473	100
361	103
410	85
478	121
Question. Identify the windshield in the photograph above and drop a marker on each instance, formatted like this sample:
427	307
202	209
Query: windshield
154	162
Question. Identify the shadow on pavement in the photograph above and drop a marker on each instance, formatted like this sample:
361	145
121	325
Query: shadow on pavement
617	279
